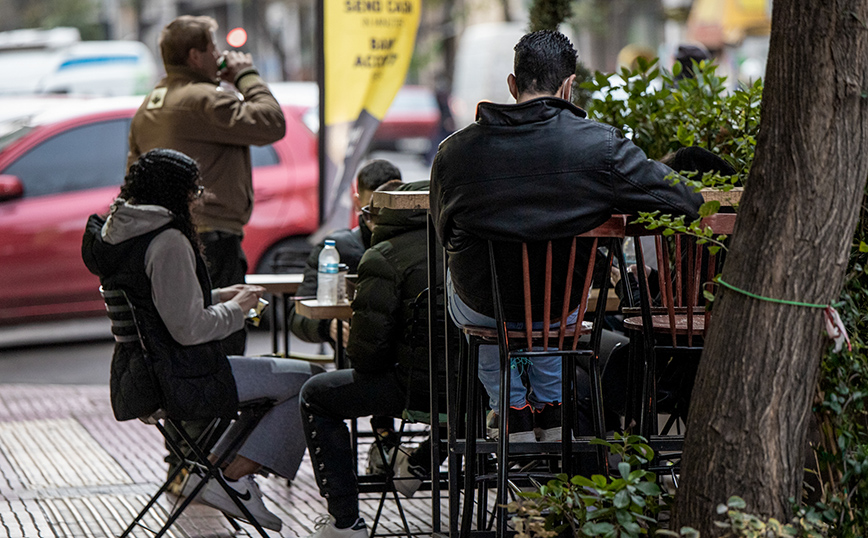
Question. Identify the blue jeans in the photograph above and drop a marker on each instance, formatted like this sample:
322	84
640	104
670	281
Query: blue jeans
544	374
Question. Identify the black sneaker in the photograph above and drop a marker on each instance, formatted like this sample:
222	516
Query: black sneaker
548	421
521	425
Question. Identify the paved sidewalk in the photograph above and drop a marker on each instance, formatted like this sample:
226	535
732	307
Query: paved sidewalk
68	469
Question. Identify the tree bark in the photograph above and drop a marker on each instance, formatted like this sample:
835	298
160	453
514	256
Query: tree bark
753	392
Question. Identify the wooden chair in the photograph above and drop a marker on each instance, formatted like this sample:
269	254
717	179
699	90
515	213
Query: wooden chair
555	270
190	452
673	328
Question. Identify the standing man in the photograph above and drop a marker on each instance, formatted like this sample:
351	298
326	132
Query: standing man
533	171
190	112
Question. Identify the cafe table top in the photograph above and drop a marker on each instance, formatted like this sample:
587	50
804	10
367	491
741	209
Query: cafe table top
276	284
419	199
310	308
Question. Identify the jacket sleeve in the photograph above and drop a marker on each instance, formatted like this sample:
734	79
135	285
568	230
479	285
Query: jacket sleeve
255	120
170	264
640	184
309	330
376	309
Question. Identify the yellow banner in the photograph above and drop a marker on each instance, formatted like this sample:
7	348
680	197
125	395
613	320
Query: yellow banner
368	46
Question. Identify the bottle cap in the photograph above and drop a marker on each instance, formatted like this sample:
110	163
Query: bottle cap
329	242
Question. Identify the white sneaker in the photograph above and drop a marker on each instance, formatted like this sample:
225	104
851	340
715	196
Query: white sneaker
325	528
249	494
406	481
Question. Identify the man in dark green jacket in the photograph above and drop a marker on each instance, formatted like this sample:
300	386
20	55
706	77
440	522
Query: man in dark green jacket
390	361
351	245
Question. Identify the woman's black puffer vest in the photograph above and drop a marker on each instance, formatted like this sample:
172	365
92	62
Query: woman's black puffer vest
188	382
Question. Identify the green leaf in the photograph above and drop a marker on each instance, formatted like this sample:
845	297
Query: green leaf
624	469
648	488
599	480
736	502
622	499
584	481
709	208
863	246
593	528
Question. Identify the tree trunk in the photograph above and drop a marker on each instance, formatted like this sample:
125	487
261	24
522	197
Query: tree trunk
756	380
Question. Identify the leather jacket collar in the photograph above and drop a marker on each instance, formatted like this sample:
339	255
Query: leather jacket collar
539	109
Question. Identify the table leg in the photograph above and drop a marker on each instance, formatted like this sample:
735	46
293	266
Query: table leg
274	316
285	311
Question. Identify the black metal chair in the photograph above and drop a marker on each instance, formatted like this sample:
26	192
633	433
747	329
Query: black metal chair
554	339
669	333
188	450
417	335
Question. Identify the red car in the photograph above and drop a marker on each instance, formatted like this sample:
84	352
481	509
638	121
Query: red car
62	159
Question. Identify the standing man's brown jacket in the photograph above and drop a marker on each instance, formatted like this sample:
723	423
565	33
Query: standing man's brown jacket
189	113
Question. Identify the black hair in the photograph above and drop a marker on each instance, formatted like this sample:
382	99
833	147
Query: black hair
686	55
543	60
697	159
377	172
166	178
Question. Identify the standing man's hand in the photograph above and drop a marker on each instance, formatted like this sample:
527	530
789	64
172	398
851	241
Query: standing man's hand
236	62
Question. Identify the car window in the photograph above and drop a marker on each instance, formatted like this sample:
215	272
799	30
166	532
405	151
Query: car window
81	158
263	156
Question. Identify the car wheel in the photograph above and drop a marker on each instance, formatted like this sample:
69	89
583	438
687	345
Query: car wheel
287	256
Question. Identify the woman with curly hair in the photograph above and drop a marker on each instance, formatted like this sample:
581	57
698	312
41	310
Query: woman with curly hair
148	248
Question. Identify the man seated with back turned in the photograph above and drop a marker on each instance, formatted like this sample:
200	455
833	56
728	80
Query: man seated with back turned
533	171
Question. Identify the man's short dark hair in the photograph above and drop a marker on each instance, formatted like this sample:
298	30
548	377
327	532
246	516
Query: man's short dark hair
184	33
543	60
377	172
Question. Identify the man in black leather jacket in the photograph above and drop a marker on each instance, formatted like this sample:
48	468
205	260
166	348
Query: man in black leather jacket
534	170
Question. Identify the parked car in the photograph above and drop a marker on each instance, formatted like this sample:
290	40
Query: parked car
56	61
65	162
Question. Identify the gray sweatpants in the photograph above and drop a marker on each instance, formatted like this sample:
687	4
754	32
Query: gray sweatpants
277	442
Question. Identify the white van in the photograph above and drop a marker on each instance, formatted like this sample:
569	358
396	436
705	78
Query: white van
55	61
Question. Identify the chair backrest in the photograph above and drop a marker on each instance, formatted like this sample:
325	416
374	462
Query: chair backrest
558	287
684	265
122	315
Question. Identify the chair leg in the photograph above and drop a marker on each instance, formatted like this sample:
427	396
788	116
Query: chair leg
503	447
152	501
456	398
470	460
389	485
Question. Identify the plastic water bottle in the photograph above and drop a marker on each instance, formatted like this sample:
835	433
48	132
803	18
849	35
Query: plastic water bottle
327	275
